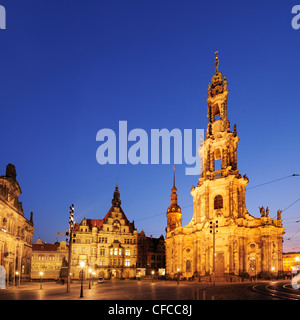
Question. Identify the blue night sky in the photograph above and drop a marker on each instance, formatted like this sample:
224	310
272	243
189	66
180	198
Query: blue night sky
72	67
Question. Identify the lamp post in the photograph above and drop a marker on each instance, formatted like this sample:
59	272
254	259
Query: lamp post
82	264
273	273
16	276
41	282
152	275
178	275
90	272
94	274
70	233
213	230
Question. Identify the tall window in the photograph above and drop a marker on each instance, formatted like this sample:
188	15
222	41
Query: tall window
218	202
217	155
216	112
188	266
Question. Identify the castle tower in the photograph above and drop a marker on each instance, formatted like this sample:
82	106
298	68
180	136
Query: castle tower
174	210
116	202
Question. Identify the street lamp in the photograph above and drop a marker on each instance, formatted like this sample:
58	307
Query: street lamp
152	275
41	275
178	275
82	264
273	272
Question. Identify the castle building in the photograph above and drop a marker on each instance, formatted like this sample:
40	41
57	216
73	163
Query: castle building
16	231
107	246
222	238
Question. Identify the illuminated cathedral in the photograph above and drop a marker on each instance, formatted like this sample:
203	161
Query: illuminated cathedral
222	238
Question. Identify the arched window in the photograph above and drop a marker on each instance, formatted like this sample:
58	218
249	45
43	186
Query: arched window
216	112
217	162
218	202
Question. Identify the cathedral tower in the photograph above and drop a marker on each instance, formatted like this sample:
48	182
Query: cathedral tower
221	188
243	244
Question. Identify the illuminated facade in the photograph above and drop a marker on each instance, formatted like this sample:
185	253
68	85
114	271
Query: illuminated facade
244	245
290	260
107	246
16	230
48	258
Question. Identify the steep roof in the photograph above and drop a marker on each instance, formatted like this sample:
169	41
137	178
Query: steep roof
45	246
116	204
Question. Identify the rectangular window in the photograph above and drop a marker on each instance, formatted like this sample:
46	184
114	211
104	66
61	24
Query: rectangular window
101	262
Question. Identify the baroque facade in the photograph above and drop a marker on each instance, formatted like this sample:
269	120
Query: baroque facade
222	238
16	231
107	246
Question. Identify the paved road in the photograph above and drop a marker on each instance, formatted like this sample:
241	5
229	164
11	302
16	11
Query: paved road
145	290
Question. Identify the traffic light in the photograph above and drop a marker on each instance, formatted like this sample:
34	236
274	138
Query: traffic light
71	214
71	220
213	226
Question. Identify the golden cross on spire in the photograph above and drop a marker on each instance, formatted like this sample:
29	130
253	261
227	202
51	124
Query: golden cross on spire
216	62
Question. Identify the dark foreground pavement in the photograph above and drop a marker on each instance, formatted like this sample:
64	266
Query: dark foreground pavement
133	290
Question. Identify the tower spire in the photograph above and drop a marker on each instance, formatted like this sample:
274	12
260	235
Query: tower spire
174	210
174	177
220	157
116	200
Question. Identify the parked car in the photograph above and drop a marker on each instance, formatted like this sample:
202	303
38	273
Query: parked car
100	280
